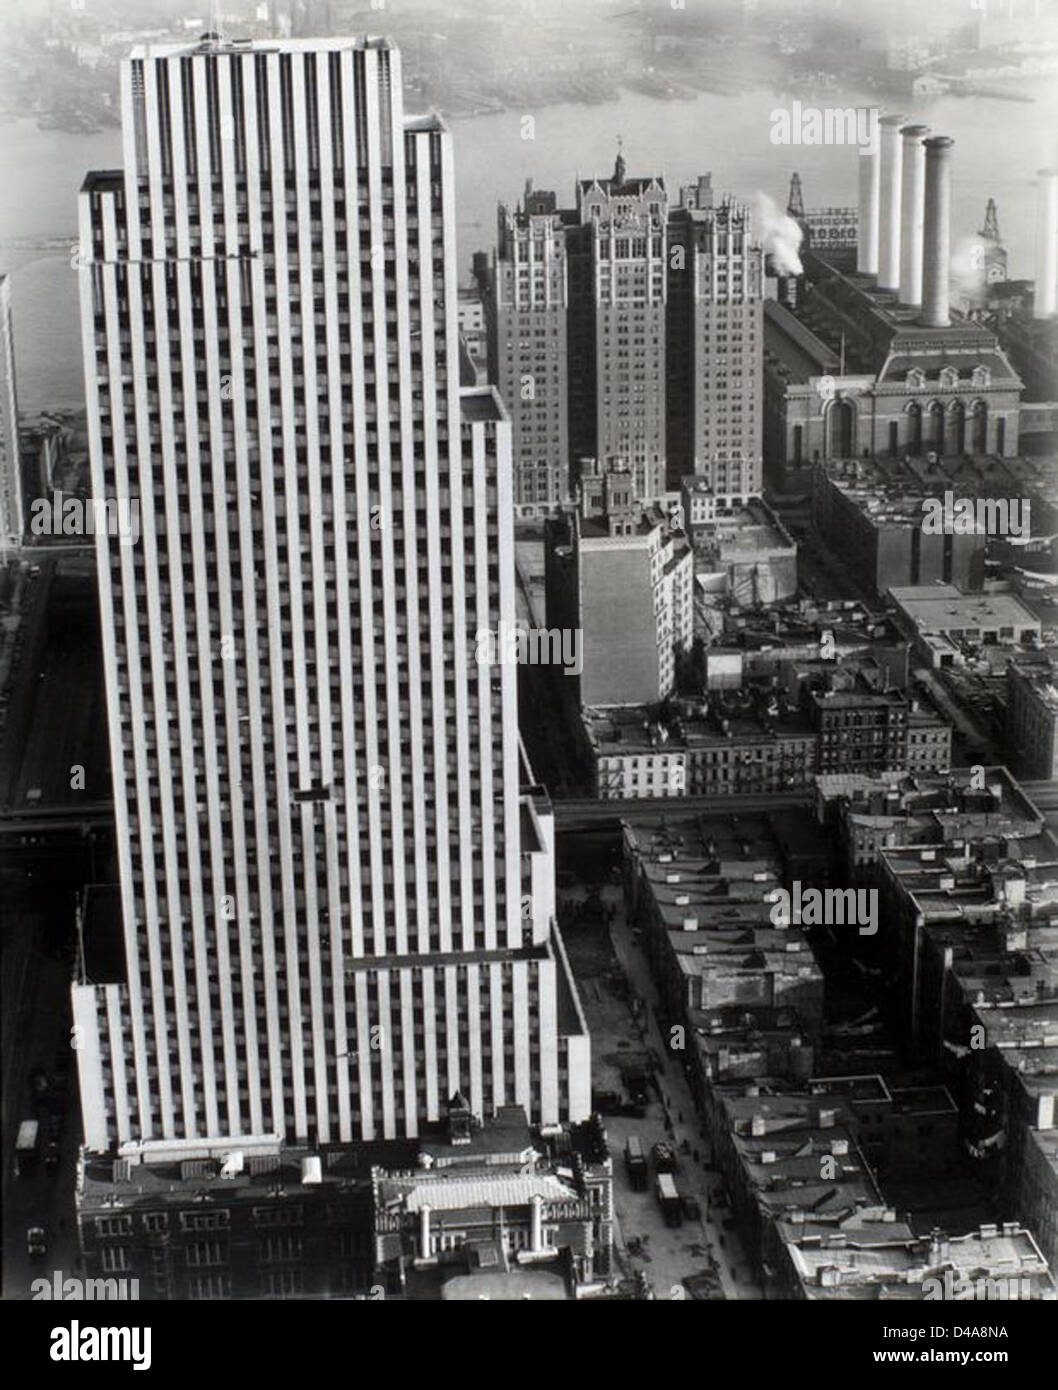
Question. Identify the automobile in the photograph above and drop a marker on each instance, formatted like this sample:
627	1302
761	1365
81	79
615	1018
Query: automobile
692	1210
664	1156
52	1155
36	1242
635	1082
607	1102
631	1111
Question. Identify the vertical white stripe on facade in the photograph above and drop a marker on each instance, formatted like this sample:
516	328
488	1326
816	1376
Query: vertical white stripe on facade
435	626
498	1034
411	487
123	1128
520	1028
354	483
430	1033
289	647
375	790
385	1053
219	698
469	838
396	475
364	1055
512	868
243	799
484	674
337	809
266	724
476	1076
451	1028
317	692
87	1005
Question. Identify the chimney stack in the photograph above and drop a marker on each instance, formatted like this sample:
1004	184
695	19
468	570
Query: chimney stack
1045	302
867	235
890	156
936	241
912	213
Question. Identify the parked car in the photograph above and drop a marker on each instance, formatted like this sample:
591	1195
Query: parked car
607	1102
36	1242
52	1155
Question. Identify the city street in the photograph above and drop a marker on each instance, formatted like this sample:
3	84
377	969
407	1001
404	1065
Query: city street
670	1254
35	1001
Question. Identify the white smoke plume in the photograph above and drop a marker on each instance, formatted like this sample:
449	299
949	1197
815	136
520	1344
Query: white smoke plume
968	271
781	236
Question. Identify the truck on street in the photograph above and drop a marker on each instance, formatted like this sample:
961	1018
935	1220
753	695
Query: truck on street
669	1199
27	1148
636	1163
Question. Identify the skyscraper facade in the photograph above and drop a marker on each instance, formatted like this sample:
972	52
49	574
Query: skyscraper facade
715	346
629	330
337	899
12	504
619	275
527	309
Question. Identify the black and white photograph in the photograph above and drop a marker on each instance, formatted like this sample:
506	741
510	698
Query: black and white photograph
528	676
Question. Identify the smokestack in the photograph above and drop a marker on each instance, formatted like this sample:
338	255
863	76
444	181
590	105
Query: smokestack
912	213
1045	303
890	157
936	241
867	235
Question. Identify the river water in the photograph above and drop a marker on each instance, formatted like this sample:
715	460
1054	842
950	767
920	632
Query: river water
999	147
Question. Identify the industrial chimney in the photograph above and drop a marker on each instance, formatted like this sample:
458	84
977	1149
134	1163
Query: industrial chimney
912	213
936	241
867	233
1045	303
891	150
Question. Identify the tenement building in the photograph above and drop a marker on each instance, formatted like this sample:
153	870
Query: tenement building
817	1223
971	930
871	812
1032	717
395	1219
746	992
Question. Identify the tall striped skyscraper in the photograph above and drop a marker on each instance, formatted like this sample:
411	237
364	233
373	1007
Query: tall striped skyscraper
337	897
12	504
